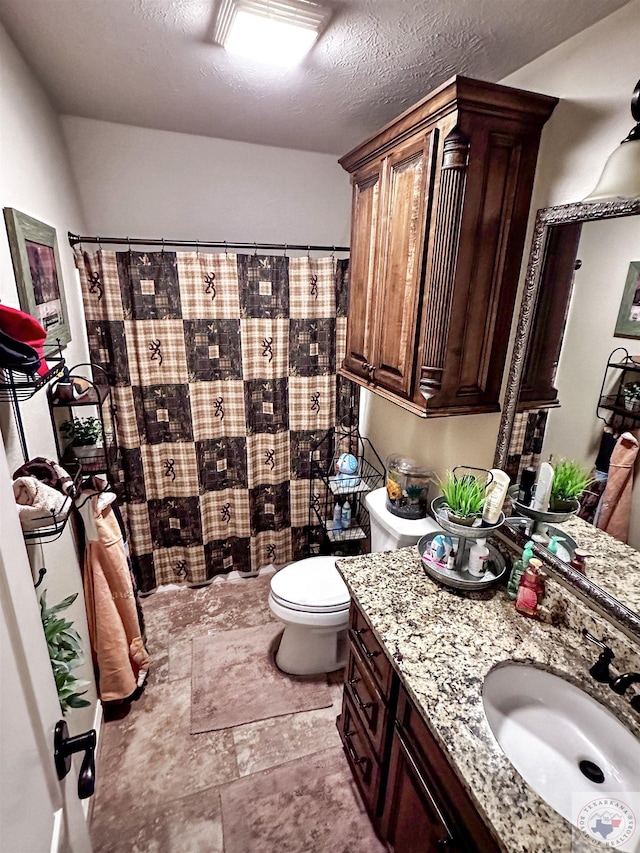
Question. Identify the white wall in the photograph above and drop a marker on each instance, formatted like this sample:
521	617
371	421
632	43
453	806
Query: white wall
593	74
35	178
154	183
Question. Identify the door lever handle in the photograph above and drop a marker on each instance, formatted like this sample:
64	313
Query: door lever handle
64	747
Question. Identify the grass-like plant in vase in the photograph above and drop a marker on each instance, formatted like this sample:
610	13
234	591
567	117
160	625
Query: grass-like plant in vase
464	497
65	653
84	435
570	479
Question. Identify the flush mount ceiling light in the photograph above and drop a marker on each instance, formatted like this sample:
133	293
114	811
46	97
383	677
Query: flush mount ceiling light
621	174
279	32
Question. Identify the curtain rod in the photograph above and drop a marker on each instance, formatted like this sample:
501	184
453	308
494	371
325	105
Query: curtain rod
74	239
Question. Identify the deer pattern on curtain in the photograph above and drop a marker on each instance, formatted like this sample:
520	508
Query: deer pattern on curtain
223	374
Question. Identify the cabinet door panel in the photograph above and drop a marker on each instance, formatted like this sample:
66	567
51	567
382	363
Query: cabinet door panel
364	236
414	822
407	181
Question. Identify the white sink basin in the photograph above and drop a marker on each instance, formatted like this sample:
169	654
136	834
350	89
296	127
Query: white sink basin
546	727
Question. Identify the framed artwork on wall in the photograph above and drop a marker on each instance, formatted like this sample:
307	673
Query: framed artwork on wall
36	265
628	322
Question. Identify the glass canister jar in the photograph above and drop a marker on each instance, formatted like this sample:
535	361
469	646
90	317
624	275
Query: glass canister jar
408	485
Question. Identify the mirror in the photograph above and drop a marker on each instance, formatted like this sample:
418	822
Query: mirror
576	309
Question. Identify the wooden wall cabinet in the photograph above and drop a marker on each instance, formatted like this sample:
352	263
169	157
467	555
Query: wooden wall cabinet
440	205
414	799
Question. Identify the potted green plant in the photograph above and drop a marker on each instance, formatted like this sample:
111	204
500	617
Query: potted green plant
570	479
463	498
63	644
84	435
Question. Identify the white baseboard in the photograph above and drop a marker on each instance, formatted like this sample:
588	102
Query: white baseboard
98	718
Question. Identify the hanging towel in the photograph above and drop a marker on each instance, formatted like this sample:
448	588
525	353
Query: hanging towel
114	629
615	507
48	472
38	504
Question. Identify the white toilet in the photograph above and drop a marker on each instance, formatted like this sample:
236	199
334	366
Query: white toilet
312	600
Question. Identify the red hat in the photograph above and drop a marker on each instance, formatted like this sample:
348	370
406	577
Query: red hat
24	328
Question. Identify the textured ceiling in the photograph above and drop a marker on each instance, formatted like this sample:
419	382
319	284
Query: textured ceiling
150	62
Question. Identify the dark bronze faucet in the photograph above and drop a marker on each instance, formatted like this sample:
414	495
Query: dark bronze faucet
600	671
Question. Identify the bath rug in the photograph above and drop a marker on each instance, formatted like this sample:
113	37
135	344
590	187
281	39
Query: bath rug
235	680
307	804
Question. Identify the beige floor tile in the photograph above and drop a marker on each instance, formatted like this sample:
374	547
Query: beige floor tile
151	755
187	825
280	739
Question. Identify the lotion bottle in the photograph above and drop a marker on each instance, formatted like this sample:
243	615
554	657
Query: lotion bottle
496	493
345	516
478	553
337	517
543	487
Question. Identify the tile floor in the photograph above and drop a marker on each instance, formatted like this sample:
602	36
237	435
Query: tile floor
157	785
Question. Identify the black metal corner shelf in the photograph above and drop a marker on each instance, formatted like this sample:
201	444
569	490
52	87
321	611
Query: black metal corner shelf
327	489
19	387
620	414
16	388
99	459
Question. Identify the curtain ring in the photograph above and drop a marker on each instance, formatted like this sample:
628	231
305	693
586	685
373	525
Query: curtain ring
309	251
255	253
99	246
162	252
225	248
197	248
333	254
284	255
129	244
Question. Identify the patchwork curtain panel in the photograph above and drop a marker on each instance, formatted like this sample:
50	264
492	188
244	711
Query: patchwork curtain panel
222	369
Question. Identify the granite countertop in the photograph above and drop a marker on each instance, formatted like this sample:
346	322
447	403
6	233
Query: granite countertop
615	567
448	642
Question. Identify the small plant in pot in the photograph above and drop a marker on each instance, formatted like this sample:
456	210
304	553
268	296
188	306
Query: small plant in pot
569	481
84	436
463	497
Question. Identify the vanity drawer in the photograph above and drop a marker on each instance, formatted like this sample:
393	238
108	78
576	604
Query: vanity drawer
366	698
370	650
363	762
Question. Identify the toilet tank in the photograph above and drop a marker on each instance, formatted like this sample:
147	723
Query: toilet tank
390	532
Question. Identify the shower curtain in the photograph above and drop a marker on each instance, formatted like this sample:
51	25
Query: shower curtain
223	374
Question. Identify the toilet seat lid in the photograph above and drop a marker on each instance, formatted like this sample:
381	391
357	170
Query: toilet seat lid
312	584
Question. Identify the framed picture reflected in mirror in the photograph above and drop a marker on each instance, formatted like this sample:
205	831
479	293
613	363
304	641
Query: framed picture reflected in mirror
628	322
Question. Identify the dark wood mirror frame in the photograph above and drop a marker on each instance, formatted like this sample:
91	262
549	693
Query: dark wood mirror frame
546	219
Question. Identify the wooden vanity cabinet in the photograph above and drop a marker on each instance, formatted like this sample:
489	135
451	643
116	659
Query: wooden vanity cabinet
413	797
440	205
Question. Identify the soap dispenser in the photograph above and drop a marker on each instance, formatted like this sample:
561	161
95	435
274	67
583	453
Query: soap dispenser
530	589
518	569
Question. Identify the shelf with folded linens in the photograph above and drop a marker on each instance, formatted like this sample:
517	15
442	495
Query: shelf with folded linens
44	525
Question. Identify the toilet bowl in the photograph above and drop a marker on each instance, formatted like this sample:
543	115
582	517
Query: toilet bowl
312	600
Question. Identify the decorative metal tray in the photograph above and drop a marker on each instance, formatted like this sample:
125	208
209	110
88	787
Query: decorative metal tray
566	549
536	514
480	531
459	577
